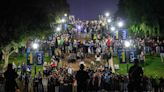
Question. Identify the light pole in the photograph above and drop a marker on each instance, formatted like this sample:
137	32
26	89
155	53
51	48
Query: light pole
35	47
127	44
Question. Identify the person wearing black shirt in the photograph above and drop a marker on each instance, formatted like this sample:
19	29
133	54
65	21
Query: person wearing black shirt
135	77
10	76
82	79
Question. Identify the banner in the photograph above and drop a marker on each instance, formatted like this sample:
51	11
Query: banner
127	55
28	49
121	34
132	55
115	35
39	57
29	57
50	38
121	55
65	26
124	34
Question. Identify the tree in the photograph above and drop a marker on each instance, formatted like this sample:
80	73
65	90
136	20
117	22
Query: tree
144	16
24	19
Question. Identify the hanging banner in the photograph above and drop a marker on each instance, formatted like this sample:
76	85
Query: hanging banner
116	35
50	38
132	55
28	49
121	55
40	57
124	34
29	58
65	26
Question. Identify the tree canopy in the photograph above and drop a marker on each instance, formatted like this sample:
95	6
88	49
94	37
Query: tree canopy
24	19
144	16
20	19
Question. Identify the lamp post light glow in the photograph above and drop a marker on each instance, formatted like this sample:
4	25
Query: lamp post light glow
127	44
65	14
109	20
120	24
58	29
107	14
79	27
63	20
35	46
113	28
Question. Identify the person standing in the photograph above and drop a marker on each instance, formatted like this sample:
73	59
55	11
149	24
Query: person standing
10	76
82	79
162	51
135	77
142	58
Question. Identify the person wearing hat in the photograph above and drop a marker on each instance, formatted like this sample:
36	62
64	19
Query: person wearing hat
82	79
135	76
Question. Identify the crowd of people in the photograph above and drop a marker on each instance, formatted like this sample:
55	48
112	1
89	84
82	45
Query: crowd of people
85	39
85	80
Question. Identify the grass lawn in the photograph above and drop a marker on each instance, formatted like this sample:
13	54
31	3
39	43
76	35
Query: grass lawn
22	58
153	67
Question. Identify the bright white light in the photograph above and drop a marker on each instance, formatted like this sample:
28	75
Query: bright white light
79	27
62	20
35	45
120	24
107	14
109	20
65	14
113	28
127	44
58	29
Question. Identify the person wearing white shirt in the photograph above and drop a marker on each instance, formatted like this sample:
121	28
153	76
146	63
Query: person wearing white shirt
98	50
14	66
70	70
98	57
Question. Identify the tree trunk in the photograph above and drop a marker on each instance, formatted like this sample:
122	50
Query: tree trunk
6	55
6	59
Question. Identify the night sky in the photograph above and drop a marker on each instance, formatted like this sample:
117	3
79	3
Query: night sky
90	9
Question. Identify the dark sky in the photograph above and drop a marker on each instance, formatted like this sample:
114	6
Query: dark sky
90	9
